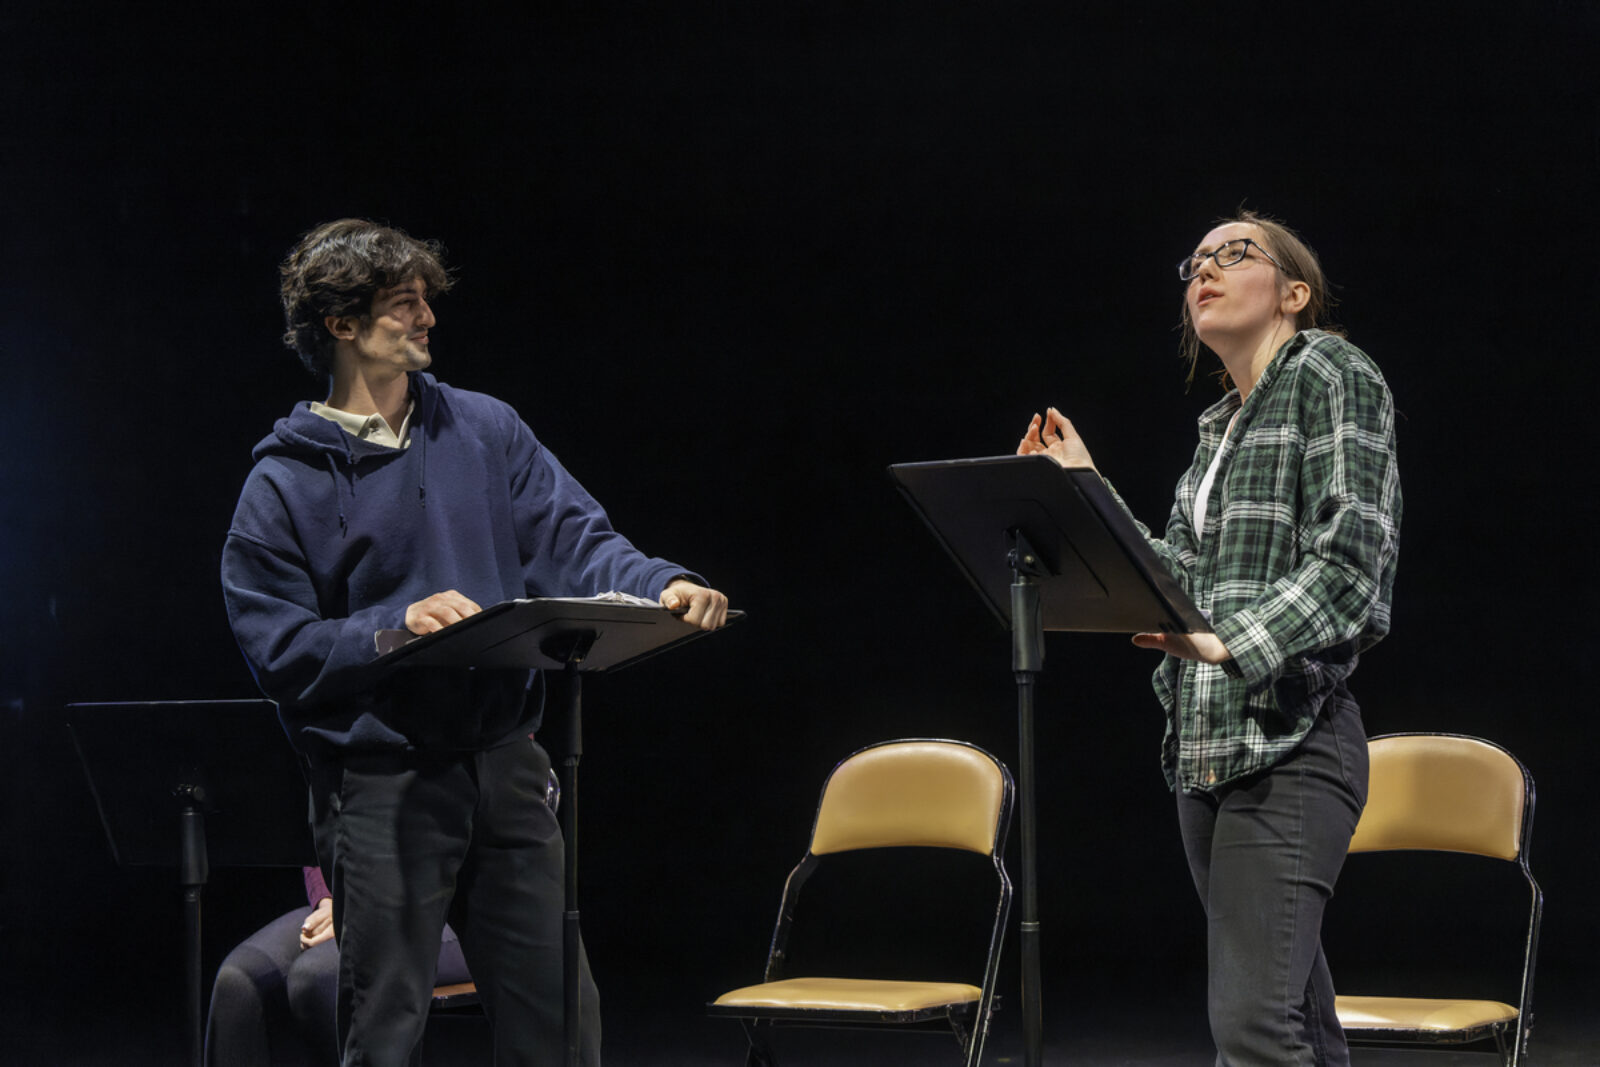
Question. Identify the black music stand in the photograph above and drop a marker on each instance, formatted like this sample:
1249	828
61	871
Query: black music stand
574	636
189	783
1046	549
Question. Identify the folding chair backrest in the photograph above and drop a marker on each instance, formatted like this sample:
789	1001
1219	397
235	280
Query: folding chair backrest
1455	794
1447	792
912	793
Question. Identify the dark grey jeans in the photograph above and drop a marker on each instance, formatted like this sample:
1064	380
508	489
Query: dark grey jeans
408	843
1265	852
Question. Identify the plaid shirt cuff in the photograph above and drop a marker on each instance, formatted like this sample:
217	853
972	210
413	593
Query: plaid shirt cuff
1256	656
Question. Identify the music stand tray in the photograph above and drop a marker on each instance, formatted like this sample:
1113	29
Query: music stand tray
189	783
539	632
1107	579
137	754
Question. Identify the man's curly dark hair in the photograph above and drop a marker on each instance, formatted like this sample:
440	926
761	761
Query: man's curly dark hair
337	268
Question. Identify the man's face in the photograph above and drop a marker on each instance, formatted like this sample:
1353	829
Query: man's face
396	334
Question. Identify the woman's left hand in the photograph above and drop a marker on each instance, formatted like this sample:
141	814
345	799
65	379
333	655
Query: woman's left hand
1204	648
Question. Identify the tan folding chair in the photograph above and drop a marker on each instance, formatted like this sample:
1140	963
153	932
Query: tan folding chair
454	997
1451	793
898	794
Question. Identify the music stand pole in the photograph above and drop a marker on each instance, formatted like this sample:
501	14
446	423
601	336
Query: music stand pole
1027	659
572	1016
193	869
1077	562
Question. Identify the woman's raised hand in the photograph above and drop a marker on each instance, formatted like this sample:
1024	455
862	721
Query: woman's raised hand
1054	436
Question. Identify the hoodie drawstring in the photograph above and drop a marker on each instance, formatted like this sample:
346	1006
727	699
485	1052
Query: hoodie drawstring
338	496
422	465
333	469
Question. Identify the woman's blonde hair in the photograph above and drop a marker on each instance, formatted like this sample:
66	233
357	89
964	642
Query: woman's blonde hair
1296	261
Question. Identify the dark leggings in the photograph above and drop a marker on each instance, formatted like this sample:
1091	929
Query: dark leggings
273	1002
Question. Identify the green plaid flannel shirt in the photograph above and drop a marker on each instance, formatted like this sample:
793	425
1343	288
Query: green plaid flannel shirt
1296	568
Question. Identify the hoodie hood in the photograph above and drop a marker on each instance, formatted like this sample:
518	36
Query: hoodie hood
308	437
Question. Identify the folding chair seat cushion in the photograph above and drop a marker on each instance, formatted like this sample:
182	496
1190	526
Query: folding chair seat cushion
865	995
1471	1019
455	995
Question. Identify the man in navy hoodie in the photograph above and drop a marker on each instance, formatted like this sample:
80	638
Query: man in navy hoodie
402	502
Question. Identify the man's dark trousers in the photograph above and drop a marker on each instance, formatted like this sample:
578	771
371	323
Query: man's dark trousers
412	840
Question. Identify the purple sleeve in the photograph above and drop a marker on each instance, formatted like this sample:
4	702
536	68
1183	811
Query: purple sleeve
316	888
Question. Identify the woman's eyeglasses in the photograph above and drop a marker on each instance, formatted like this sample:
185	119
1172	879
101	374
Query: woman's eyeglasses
1226	254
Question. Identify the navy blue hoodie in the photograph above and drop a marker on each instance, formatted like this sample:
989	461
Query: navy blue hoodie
334	537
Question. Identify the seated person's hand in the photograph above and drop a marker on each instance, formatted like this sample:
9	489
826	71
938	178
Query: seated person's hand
318	926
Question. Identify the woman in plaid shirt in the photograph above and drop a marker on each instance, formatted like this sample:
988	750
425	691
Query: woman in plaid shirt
1285	531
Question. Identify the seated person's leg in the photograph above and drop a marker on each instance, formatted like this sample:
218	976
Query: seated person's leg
249	1002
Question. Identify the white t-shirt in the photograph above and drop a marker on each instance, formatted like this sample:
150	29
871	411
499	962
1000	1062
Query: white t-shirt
1203	493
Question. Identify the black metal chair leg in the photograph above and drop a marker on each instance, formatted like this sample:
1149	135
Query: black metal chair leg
760	1054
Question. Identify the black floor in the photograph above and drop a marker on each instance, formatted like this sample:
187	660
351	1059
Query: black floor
1093	1030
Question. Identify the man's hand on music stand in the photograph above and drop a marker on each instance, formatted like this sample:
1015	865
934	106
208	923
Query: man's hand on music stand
705	608
438	611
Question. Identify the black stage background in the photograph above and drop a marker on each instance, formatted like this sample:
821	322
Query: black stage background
730	261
